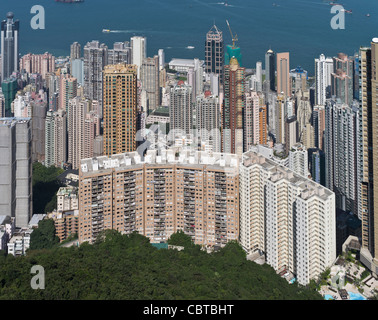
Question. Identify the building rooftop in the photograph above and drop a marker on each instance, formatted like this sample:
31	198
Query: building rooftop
36	218
12	121
170	156
309	187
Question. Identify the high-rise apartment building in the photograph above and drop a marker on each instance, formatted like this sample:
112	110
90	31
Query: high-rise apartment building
9	87
149	77
181	110
263	126
75	52
95	59
323	71
291	133
121	53
341	153
233	107
298	160
193	192
56	138
120	108
9	46
138	51
67	90
286	216
208	121
280	118
82	130
214	52
16	169
318	122
161	56
77	70
283	73
38	63
251	122
368	155
259	81
342	78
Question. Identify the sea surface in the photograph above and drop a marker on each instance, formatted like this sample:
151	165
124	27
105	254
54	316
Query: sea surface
301	27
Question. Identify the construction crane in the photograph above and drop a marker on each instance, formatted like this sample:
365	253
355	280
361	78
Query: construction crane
234	38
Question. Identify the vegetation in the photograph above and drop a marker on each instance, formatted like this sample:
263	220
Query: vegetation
364	274
44	236
45	187
128	267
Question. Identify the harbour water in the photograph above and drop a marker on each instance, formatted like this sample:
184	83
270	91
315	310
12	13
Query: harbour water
301	27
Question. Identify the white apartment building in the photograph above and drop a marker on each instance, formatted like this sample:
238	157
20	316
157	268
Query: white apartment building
298	159
323	71
288	217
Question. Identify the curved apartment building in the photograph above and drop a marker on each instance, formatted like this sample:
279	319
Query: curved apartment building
161	194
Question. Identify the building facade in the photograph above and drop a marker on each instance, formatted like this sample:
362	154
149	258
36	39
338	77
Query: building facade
193	192
287	217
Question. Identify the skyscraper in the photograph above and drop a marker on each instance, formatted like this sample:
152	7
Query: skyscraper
251	120
161	56
67	90
263	125
16	169
95	59
81	130
341	153
233	107
283	73
272	197
9	87
368	155
214	52
318	122
323	70
56	138
342	78
75	51
121	53
149	77
208	121
298	160
138	51
120	108
9	46
270	69
259	76
38	63
180	109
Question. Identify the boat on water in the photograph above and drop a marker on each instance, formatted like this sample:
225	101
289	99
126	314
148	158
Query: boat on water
105	30
69	1
368	15
189	47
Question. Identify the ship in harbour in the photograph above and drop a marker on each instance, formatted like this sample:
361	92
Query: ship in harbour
69	1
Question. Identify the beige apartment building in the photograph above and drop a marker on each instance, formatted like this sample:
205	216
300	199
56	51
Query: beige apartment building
164	193
119	108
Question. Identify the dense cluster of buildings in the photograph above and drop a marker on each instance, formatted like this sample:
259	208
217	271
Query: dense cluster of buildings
264	156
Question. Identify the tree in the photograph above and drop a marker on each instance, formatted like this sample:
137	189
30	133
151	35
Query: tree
45	186
180	239
44	236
